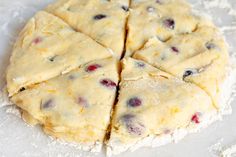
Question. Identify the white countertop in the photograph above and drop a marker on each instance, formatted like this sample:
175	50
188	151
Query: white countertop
19	139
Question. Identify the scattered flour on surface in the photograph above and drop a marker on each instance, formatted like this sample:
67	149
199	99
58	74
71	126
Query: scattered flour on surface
229	152
4	99
219	150
216	148
13	110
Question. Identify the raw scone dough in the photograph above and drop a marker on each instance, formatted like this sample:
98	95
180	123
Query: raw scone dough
103	20
200	57
158	18
47	47
152	102
67	82
70	106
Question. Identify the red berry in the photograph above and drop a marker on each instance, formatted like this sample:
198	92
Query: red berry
108	83
37	40
195	118
92	67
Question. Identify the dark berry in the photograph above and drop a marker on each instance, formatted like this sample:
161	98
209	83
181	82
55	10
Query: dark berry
92	67
52	59
175	49
108	83
189	73
195	118
133	126
169	23
210	45
134	102
48	104
140	64
99	17
125	8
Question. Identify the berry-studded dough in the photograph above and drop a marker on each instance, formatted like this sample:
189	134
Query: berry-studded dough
65	71
200	57
153	103
75	106
158	18
103	20
47	47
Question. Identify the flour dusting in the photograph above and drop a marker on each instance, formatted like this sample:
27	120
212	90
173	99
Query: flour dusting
229	152
219	150
216	148
4	100
13	110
